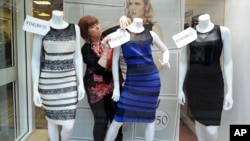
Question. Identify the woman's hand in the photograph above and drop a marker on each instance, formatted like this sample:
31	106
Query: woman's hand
124	22
105	41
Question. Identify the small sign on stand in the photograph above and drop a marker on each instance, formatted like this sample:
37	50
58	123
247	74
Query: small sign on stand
118	38
185	37
35	25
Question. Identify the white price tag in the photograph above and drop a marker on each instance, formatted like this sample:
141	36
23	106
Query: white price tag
118	38
185	37
35	25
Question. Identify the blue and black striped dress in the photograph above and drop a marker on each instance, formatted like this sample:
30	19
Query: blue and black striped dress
139	96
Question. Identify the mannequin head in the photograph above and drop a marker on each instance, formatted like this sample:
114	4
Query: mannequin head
140	9
136	26
57	21
90	28
57	13
204	17
204	24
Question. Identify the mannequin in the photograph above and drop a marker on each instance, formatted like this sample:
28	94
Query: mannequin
40	91
207	132
136	29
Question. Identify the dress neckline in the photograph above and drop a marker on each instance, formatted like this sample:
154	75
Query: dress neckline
203	36
62	28
135	32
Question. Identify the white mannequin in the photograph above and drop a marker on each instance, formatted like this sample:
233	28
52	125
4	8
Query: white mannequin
56	22
210	133
136	27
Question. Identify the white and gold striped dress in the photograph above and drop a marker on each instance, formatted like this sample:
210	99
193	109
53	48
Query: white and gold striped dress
58	84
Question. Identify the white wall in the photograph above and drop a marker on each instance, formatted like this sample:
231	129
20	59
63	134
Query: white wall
237	19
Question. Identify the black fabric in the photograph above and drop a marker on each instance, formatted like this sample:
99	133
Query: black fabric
99	93
204	83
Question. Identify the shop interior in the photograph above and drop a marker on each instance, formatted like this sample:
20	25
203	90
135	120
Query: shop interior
43	9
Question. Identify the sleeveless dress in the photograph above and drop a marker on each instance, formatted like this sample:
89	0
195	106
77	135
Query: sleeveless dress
58	84
204	83
139	95
156	54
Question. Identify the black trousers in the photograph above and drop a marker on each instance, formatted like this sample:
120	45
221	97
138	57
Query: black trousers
103	112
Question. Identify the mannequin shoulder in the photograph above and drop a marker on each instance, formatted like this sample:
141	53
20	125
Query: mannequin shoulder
38	37
77	28
224	29
225	32
154	34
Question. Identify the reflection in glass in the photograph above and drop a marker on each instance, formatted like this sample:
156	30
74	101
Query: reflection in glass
5	38
7	125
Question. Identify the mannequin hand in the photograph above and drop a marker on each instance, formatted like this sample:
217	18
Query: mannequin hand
228	102
81	92
116	94
166	65
124	22
181	98
37	99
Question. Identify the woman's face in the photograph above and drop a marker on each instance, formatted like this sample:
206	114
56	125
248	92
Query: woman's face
136	8
95	31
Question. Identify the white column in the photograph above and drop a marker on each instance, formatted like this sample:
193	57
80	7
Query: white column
236	18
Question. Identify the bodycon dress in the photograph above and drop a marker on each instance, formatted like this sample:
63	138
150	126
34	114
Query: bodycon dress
57	82
204	85
139	96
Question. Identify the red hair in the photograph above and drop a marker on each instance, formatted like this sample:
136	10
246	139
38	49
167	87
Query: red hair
84	23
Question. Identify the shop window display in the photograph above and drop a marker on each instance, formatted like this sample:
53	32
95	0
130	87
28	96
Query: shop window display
167	120
204	84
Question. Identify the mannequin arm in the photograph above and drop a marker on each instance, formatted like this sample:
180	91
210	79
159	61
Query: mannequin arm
115	72
182	74
79	65
35	68
227	67
158	42
157	29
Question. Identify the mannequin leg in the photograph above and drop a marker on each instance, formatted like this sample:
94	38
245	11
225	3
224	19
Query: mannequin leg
66	132
206	133
211	133
200	133
150	131
53	131
113	130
